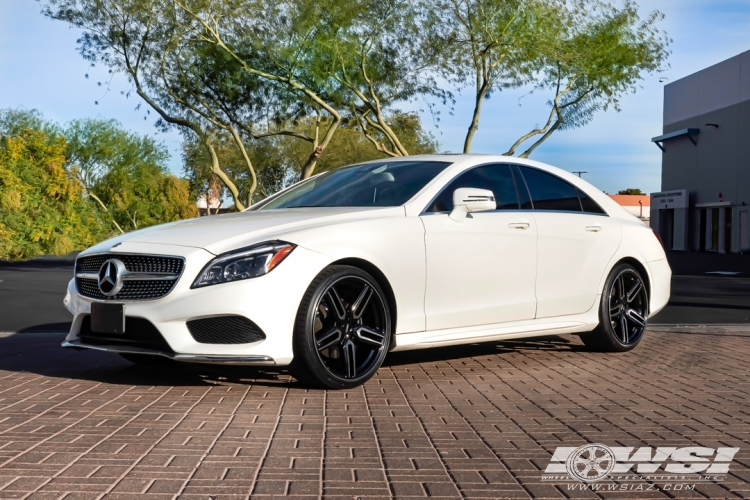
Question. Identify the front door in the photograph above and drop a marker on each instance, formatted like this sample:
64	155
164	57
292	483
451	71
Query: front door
482	270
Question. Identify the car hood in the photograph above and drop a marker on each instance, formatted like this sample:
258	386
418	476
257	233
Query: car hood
221	233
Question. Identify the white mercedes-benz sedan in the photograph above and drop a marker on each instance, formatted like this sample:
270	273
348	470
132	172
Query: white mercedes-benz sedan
331	274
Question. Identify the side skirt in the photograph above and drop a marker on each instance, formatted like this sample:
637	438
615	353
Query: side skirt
579	323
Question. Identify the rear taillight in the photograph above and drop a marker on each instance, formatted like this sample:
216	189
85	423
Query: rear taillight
659	238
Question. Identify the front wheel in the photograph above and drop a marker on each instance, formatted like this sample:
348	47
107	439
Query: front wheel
623	312
343	329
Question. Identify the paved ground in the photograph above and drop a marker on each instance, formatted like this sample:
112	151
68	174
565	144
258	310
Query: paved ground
475	421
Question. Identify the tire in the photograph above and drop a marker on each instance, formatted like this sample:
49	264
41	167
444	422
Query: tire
623	312
341	346
147	360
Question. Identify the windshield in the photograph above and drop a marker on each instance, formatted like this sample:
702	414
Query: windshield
387	184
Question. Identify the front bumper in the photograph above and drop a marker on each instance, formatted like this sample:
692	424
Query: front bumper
270	301
192	358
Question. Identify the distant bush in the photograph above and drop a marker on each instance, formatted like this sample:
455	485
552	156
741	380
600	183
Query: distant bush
64	189
42	208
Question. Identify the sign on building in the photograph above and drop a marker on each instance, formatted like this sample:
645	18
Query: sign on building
676	198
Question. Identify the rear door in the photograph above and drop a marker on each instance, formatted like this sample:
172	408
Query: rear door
482	270
576	240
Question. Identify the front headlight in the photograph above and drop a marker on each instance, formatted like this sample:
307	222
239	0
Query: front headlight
245	263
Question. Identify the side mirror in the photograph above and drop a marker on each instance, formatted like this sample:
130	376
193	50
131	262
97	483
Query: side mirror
467	200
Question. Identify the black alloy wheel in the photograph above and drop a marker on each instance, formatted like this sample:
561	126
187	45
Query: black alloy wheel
343	329
623	313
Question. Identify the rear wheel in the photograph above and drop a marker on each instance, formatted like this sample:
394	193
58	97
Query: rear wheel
343	329
623	312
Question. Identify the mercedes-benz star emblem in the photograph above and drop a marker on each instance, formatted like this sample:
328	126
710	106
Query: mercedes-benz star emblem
110	277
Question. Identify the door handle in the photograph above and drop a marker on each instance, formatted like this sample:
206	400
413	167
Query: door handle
594	229
519	225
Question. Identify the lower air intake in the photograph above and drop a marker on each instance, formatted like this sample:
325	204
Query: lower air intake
225	330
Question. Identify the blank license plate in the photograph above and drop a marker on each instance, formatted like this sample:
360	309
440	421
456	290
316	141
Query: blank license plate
107	318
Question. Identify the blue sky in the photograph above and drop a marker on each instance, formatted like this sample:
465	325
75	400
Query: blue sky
40	68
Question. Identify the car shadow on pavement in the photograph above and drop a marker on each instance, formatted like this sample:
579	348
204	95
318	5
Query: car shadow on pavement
41	353
33	351
550	343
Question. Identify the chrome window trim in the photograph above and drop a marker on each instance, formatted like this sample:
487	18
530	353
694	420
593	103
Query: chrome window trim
522	210
532	210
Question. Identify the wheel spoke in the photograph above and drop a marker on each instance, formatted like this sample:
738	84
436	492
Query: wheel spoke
359	306
634	291
624	328
350	359
622	291
635	317
328	338
369	336
336	304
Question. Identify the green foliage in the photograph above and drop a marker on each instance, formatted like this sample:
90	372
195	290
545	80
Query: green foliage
631	191
126	174
594	54
280	159
42	208
66	188
246	79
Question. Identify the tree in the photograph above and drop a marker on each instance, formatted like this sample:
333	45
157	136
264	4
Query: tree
125	174
43	210
133	36
143	194
491	44
378	58
97	146
585	53
271	41
282	158
599	52
635	191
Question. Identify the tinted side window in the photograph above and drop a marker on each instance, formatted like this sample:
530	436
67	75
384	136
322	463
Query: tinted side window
496	178
549	192
589	205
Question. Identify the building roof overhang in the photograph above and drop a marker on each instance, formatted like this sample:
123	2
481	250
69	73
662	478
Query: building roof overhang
688	132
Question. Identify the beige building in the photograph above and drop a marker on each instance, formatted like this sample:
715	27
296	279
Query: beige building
638	205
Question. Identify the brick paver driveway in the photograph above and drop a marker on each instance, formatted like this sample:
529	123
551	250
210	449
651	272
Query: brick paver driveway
473	421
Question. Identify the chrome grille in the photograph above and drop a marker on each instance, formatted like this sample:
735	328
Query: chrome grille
134	263
149	288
